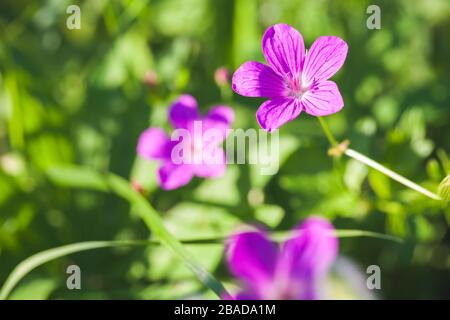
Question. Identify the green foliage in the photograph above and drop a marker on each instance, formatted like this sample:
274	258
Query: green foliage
110	182
81	98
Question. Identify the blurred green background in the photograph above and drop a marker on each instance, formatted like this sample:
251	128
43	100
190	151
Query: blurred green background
83	97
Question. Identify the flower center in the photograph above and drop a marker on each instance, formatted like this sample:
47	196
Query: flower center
295	86
283	289
195	149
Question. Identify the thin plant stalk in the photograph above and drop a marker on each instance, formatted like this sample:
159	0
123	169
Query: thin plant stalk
375	165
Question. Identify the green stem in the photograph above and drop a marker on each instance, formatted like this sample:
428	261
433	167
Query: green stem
375	165
328	132
391	174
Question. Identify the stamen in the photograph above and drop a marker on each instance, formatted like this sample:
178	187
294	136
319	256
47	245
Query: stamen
295	87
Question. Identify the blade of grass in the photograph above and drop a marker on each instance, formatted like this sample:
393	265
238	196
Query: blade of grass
375	165
34	261
341	233
87	178
38	259
391	174
82	177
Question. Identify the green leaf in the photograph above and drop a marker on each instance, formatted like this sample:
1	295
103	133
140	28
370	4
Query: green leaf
78	178
444	159
192	221
246	36
270	159
37	289
270	214
354	176
40	258
380	184
13	103
212	190
82	177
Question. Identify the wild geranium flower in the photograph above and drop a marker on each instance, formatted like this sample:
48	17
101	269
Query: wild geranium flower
294	80
194	147
291	271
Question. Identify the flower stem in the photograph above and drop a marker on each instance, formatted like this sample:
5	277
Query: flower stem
375	165
328	132
391	174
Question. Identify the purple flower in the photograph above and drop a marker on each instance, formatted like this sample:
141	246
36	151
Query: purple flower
292	271
293	80
194	149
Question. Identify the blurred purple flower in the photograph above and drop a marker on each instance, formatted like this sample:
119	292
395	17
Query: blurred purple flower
155	144
293	80
292	271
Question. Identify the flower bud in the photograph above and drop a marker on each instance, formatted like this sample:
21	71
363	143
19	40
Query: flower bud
221	76
444	188
137	186
151	78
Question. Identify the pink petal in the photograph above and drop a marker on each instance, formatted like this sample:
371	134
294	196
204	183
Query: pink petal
274	113
183	111
310	254
252	257
306	258
284	49
325	57
322	99
221	113
219	119
213	164
241	295
173	176
154	144
247	295
254	79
